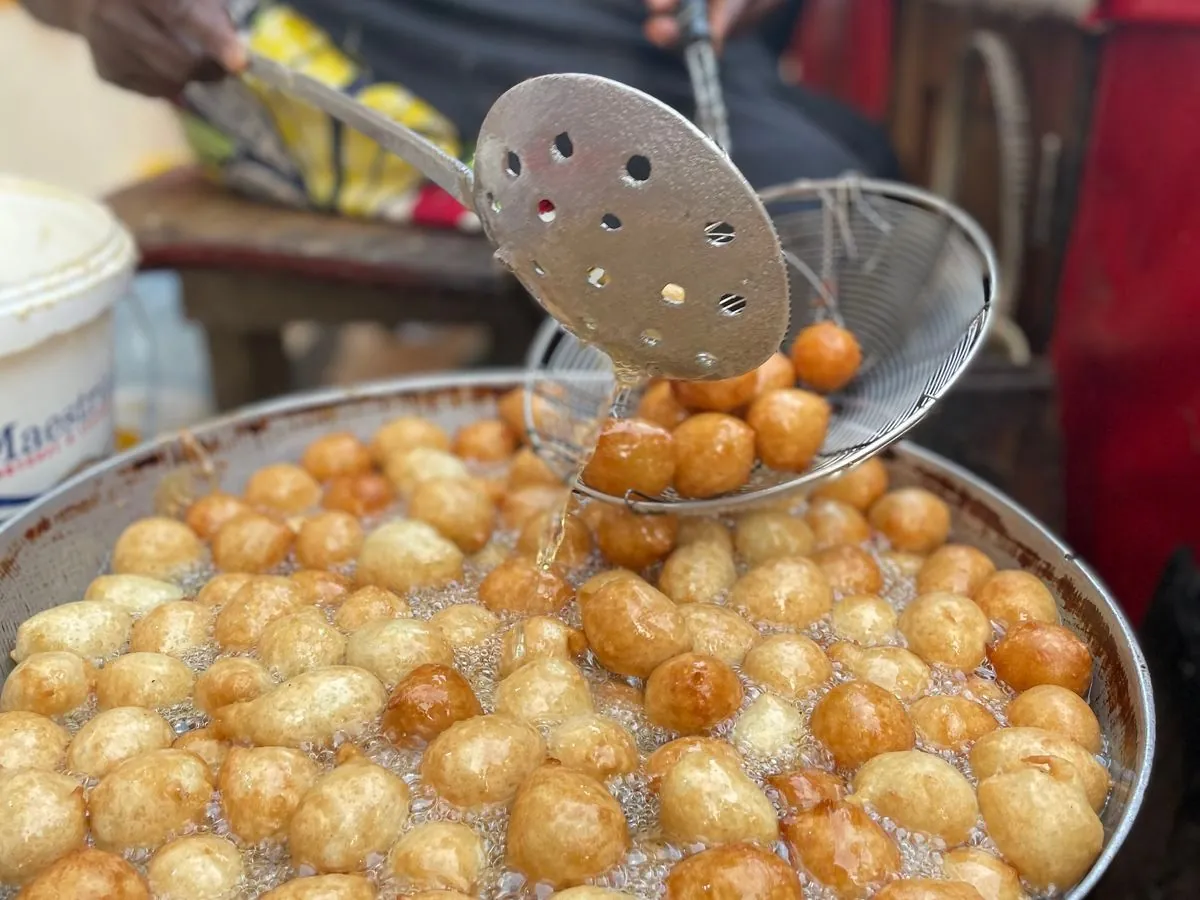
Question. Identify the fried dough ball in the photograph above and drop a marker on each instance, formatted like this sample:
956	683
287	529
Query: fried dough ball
565	828
31	741
692	692
1035	653
592	586
722	396
320	588
392	648
487	440
233	680
790	664
146	800
776	373
88	874
340	887
258	603
404	434
206	516
527	468
762	536
425	703
220	589
482	760
588	892
631	455
792	591
157	548
857	721
632	628
460	510
465	624
404	555
928	889
842	847
986	690
135	594
524	503
43	817
330	538
708	799
437	856
864	619
697	573
369	604
261	788
826	356
790	426
544	692
900	564
634	541
300	642
175	628
407	471
251	543
947	629
50	684
200	867
354	812
859	486
1009	749
950	723
615	691
768	727
540	637
892	668
313	708
714	454
912	519
359	495
1057	709
806	789
337	454
1042	825
114	736
993	879
703	530
733	872
282	488
151	680
720	632
834	523
1012	596
850	569
660	406
662	760
576	546
597	746
518	585
955	569
511	408
88	628
204	743
920	792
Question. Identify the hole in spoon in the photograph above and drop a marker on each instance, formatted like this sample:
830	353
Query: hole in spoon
493	203
597	277
610	222
706	360
546	211
564	148
537	269
651	337
732	304
512	164
719	233
638	168
674	294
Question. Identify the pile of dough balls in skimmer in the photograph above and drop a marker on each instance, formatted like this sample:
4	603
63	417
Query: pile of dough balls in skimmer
351	681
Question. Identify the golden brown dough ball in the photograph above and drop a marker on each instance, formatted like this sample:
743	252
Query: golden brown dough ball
714	454
708	799
359	495
465	624
313	708
947	629
43	817
206	516
176	629
920	792
857	721
328	539
894	669
261	787
662	760
631	455
699	572
789	664
993	879
482	760
597	746
790	426
438	856
1057	709
1009	749
762	536
334	455
204	743
251	543
425	703
50	684
692	692
524	503
842	847
776	373
199	867
545	691
349	815
850	570
722	396
282	488
632	627
1042	825
405	555
634	541
88	873
540	637
459	509
835	523
565	828
392	648
320	588
407	471
864	619
720	632
300	642
928	889
802	790
114	736
157	548
792	591
338	887
220	589
89	628
511	408
768	727
519	586
257	604
487	440
1034	653
407	433
576	546
950	723
859	486
826	356
592	586
912	519
1012	596
660	406
151	680
231	680
148	799
369	604
31	741
135	594
528	468
955	569
733	872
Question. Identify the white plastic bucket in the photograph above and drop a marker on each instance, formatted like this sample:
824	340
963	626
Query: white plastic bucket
64	262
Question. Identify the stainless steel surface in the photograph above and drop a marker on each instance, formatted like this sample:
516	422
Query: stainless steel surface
912	277
50	553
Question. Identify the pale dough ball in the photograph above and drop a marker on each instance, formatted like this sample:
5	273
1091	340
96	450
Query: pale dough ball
135	594
391	648
204	743
842	847
1060	710
116	735
482	760
662	760
859	486
993	879
762	536
540	637
912	519
407	433
920	792
459	509
146	800
232	680
857	721
691	693
251	543
768	727
315	707
43	817
790	664
1013	596
328	887
88	628
429	700
31	741
404	555
703	530
597	746
88	873
300	642
152	680
955	569
632	627
320	588
850	570
947	629
544	692
221	589
258	603
950	723
835	524
261	787
986	690
328	539
283	488
200	867
518	585
699	572
900	565
928	889
733	872
589	892
892	668
706	799
720	632
369	604
51	684
793	592
465	624
176	628
361	495
355	812
157	548
1009	749
438	856
864	619
407	471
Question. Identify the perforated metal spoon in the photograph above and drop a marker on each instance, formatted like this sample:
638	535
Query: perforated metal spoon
623	220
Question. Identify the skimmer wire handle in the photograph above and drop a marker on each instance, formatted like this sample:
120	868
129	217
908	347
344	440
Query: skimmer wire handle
711	113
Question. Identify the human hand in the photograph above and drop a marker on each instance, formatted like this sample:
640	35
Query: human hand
155	47
726	18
